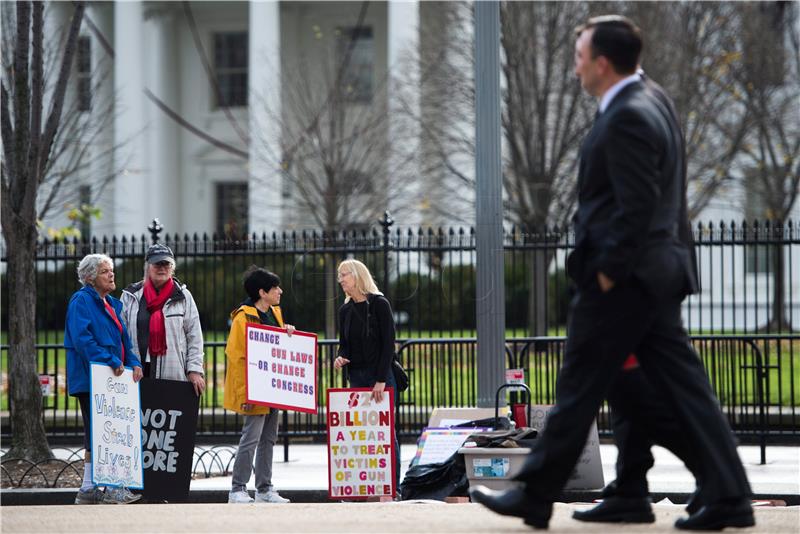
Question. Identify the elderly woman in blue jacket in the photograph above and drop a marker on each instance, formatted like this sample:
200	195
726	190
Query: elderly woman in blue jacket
95	333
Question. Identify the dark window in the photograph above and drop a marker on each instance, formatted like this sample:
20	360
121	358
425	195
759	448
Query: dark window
230	68
357	182
758	254
84	74
232	209
356	50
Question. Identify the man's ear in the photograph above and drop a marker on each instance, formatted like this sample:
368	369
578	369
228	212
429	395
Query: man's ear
604	64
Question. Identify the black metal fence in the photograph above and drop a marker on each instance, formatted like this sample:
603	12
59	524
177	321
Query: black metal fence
429	276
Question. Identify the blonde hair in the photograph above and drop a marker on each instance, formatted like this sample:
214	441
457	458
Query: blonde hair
361	276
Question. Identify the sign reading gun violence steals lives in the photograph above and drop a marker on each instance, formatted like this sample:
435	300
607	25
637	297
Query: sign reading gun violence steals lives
281	369
361	459
116	428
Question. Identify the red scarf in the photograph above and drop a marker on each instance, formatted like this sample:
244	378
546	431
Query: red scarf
113	315
155	302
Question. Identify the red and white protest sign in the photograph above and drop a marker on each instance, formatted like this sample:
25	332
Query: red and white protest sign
361	458
281	370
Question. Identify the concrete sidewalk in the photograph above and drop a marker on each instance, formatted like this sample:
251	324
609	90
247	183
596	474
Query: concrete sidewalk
307	469
304	478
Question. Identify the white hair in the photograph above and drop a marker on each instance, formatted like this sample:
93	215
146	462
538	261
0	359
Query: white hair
171	267
87	268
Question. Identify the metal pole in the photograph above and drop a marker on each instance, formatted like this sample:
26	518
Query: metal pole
386	223
490	297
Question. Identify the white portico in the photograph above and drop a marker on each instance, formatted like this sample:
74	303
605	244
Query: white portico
195	136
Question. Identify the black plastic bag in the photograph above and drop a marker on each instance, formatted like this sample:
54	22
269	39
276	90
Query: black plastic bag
436	481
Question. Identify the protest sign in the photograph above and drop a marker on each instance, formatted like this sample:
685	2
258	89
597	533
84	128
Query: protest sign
281	370
361	460
116	428
169	424
588	473
436	445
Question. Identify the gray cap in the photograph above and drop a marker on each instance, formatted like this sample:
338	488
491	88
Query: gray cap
157	253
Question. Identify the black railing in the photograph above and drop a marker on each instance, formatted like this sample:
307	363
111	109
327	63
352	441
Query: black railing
754	377
751	291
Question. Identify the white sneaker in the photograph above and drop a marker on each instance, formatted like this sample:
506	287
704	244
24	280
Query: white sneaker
239	497
270	496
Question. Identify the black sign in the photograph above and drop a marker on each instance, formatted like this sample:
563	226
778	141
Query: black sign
169	423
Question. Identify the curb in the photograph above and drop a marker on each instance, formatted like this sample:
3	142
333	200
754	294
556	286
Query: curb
62	496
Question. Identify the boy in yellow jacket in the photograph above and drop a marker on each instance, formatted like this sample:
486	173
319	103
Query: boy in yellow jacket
260	428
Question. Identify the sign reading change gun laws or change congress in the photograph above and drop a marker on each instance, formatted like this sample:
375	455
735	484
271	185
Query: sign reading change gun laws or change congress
281	369
361	461
116	428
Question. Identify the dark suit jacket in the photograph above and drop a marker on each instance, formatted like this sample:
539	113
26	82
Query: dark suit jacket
630	223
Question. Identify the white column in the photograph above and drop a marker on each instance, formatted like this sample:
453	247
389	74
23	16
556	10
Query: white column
264	106
130	160
103	108
402	47
164	177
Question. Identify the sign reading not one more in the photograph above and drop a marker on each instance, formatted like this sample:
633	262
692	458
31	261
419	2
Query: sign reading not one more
169	424
281	369
116	428
361	459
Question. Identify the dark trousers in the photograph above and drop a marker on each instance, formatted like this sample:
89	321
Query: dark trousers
604	328
365	378
640	419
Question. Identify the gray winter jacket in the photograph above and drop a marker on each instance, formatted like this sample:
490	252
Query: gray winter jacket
184	335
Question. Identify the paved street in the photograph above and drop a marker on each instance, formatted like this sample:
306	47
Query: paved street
363	517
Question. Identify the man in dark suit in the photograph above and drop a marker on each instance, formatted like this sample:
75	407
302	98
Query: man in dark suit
632	269
637	426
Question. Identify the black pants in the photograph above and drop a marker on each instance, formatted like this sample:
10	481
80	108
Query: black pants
366	378
640	419
604	328
86	414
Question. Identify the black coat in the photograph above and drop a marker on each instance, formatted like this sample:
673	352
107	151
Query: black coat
377	336
631	198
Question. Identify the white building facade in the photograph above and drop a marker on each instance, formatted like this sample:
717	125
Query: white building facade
197	104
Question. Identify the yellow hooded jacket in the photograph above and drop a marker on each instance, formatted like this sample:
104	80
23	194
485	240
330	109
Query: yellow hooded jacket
235	386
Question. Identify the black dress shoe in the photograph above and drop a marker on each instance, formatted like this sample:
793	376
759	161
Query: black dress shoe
515	502
719	515
619	510
694	503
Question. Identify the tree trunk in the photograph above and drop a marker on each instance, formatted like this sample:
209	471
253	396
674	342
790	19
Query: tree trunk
537	297
778	322
28	440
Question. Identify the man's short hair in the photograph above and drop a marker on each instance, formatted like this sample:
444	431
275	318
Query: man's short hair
617	38
256	278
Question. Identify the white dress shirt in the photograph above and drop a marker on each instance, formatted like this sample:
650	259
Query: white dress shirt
614	90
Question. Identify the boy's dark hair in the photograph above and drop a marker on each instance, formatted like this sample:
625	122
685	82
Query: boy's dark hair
617	38
256	278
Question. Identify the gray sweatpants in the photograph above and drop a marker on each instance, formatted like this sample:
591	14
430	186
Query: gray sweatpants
259	433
